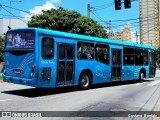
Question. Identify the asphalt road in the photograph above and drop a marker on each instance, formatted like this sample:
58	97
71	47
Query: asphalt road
124	96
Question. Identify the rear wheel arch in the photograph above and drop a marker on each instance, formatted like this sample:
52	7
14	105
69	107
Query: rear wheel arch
142	74
85	79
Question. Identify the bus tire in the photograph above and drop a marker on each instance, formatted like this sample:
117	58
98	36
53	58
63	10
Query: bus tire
85	81
141	76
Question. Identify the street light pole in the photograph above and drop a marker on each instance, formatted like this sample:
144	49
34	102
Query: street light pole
11	8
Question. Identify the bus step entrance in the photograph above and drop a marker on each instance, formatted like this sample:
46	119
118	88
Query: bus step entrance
62	85
65	83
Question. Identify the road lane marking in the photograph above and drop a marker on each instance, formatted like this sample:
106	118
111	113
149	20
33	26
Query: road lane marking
154	83
5	100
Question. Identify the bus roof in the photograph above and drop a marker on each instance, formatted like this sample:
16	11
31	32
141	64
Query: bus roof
84	37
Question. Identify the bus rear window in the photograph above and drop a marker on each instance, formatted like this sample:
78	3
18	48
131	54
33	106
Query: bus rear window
20	39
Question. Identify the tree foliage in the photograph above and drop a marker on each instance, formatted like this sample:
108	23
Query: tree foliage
67	21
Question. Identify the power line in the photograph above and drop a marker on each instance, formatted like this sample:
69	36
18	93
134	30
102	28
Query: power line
100	7
130	23
14	15
97	16
130	19
99	4
15	9
147	31
106	5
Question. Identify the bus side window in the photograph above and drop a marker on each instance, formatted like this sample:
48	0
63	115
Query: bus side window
139	57
62	51
128	56
85	50
47	48
145	57
102	53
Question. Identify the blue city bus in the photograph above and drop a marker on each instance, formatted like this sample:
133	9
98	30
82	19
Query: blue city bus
49	59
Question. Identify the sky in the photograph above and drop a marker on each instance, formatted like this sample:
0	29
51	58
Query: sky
101	10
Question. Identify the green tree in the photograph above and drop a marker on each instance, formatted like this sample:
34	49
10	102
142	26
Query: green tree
67	21
1	48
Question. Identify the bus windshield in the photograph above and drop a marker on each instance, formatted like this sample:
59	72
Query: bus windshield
20	39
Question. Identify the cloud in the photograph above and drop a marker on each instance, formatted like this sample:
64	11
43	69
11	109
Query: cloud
38	9
45	7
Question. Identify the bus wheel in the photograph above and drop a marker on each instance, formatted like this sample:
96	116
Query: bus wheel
141	76
85	81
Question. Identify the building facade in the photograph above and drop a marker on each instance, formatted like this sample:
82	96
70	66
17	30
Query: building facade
124	35
149	22
13	23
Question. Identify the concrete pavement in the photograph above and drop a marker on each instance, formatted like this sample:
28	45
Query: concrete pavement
157	105
130	97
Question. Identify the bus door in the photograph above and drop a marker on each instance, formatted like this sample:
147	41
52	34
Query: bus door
152	64
116	65
65	64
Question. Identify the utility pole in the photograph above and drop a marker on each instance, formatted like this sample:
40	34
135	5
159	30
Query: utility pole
110	27
11	8
136	37
88	10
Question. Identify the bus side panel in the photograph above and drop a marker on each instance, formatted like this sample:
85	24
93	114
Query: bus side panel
147	71
47	67
128	72
100	72
138	69
80	65
132	72
44	67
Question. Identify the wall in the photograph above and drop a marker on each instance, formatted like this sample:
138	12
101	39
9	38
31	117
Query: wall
13	23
